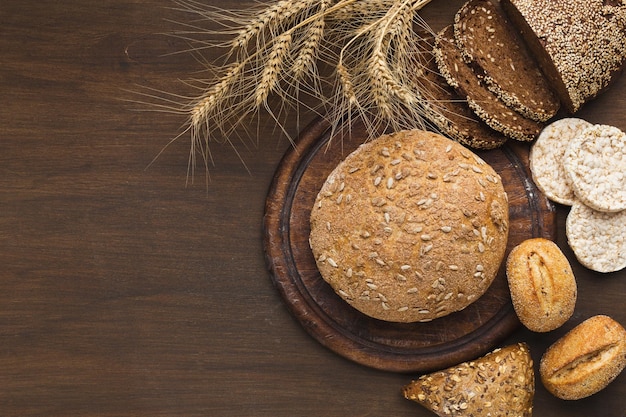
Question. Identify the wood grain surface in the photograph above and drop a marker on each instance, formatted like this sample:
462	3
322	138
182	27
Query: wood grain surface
125	291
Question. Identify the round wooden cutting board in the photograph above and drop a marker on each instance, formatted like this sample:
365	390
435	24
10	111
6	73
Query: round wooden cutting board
397	347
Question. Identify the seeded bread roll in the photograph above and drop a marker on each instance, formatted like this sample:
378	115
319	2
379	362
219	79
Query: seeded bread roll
585	360
542	284
501	383
502	61
410	227
579	44
483	102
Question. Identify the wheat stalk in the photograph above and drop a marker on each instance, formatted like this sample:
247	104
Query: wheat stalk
277	50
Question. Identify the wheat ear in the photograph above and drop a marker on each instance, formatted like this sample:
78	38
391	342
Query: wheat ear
277	51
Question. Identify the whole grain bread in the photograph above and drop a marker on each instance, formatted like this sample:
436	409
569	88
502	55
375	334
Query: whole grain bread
501	60
410	227
448	111
483	102
579	44
501	383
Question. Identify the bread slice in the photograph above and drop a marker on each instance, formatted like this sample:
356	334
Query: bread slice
448	111
501	383
501	60
484	103
579	44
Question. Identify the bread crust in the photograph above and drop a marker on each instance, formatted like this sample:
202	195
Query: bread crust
501	60
501	383
542	284
584	361
486	105
410	227
448	111
580	45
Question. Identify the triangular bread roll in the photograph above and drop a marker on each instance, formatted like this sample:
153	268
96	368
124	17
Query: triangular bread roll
501	383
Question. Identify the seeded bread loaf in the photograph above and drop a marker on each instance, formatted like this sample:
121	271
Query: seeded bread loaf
448	111
584	361
502	61
579	44
483	102
501	383
410	227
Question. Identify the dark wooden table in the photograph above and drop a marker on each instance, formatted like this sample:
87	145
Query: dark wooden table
125	292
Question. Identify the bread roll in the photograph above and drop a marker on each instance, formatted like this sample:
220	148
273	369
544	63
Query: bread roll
501	383
410	227
585	360
542	284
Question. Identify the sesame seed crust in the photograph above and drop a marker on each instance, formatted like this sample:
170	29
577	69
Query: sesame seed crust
423	233
580	44
546	159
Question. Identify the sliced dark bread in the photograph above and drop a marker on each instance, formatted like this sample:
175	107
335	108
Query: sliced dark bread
483	102
579	44
501	60
449	112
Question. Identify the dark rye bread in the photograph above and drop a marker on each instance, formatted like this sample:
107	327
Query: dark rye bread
502	61
483	102
579	44
447	110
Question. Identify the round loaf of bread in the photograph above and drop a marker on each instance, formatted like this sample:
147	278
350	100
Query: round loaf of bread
410	227
542	284
584	361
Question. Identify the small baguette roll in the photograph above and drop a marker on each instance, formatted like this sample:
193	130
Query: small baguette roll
585	360
542	284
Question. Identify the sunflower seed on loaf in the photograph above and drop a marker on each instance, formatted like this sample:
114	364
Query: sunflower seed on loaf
426	246
501	383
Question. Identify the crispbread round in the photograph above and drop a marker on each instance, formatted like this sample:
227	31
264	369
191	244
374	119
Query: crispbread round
410	227
546	159
595	161
598	239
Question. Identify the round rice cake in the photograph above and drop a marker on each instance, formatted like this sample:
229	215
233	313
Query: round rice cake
546	159
595	161
597	238
410	227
